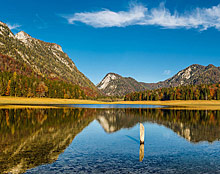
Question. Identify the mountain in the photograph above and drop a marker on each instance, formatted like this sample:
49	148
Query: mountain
46	59
116	85
193	75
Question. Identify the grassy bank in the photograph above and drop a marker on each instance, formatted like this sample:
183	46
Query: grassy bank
44	101
203	104
176	102
181	104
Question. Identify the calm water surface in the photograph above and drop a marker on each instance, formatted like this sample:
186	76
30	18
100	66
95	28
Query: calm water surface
97	139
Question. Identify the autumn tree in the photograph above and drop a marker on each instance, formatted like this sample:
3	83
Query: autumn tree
7	93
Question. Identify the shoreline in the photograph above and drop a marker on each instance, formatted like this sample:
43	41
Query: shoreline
46	102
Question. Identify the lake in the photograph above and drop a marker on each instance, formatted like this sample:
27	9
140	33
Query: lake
105	139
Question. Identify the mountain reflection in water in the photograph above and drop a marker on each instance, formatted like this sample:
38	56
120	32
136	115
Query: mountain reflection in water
193	125
32	137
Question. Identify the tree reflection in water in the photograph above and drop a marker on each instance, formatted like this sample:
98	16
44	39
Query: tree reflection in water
32	137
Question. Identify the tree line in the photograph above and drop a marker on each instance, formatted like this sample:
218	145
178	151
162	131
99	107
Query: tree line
189	92
13	84
18	79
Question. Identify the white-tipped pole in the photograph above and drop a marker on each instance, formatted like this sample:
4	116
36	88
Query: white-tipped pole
141	133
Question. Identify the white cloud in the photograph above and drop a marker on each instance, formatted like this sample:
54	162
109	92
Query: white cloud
201	18
167	72
13	26
107	18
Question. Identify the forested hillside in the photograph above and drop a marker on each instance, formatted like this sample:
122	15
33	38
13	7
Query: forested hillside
189	92
18	79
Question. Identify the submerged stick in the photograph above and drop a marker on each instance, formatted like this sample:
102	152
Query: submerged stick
141	133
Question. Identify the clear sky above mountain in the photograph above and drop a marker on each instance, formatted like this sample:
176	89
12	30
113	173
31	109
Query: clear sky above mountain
149	40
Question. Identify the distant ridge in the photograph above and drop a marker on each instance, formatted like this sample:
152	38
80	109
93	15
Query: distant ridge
192	75
114	84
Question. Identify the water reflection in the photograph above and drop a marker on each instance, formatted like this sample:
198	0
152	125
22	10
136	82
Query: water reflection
141	152
193	125
31	137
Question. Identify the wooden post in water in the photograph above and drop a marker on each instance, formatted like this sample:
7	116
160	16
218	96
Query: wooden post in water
141	133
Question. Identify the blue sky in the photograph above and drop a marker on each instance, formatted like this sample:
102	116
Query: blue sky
149	40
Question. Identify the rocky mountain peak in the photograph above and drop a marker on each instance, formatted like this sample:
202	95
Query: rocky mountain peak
107	79
2	23
24	37
27	39
193	75
57	47
210	66
116	85
112	75
22	34
5	31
